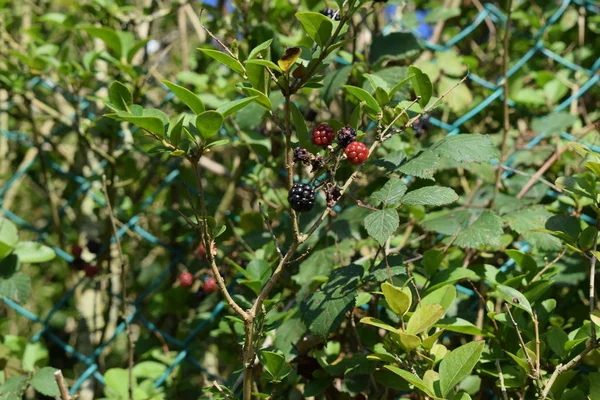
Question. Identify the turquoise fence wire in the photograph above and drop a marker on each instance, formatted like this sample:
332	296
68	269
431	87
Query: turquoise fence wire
538	48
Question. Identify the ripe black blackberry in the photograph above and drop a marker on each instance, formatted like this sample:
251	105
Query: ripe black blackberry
421	126
302	197
331	13
94	246
345	136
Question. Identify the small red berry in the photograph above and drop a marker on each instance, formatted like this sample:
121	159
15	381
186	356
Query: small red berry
322	135
357	153
76	251
201	251
210	285
91	271
186	279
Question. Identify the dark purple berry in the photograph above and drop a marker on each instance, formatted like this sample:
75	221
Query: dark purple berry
346	135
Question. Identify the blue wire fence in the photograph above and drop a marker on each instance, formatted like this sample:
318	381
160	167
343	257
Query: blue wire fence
490	12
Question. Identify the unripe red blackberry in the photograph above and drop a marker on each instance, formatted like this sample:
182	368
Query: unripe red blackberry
91	271
186	279
346	135
76	251
302	197
201	251
322	135
210	285
357	153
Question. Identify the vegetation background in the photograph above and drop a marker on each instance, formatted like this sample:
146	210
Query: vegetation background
458	262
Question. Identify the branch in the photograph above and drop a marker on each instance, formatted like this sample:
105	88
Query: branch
123	284
270	228
62	385
501	377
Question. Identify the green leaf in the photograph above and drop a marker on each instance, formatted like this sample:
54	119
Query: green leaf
208	123
379	324
224	58
13	388
515	298
9	237
566	224
380	225
149	369
486	230
391	192
152	124
109	36
406	341
33	252
188	97
553	123
259	97
234	106
175	132
263	46
120	96
556	339
117	381
264	63
457	365
451	275
363	95
317	26
421	85
394	45
274	364
443	296
432	259
216	143
44	382
430	196
399	85
14	285
587	238
324	311
576	185
466	148
301	129
423	166
333	82
412	379
399	299
424	318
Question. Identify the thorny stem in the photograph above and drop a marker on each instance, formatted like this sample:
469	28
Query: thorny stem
505	103
129	334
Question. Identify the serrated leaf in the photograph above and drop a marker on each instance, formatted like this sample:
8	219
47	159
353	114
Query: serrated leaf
486	230
424	318
553	123
466	148
317	26
457	365
391	192
363	95
13	388
43	381
208	123
380	225
515	298
430	196
14	285
423	165
33	252
120	96
323	311
421	85
188	97
234	106
224	58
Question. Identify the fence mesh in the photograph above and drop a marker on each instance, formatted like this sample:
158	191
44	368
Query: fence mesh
84	185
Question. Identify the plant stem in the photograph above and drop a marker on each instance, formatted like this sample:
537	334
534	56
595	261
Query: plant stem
62	385
505	103
130	344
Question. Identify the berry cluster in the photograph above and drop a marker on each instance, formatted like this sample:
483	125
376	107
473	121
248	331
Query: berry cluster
302	196
79	264
331	13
